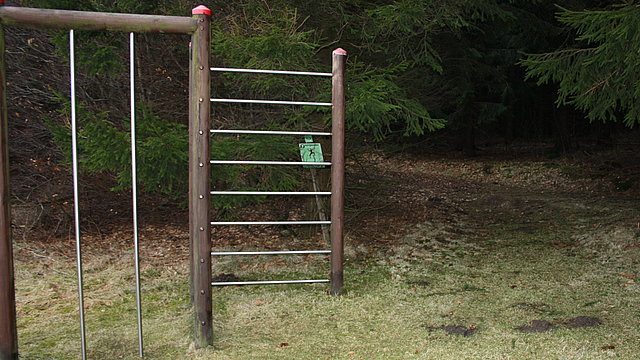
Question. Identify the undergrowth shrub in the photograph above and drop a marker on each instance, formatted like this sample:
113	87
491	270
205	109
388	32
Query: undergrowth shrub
162	155
104	145
249	34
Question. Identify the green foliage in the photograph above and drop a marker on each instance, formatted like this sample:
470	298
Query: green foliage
600	74
379	106
404	30
272	36
262	35
100	53
121	6
259	35
414	67
265	36
437	62
105	146
96	53
251	177
162	155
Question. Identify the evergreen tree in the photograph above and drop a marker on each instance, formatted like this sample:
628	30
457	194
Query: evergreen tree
458	58
599	72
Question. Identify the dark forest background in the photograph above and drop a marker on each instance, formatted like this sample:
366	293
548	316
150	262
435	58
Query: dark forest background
423	76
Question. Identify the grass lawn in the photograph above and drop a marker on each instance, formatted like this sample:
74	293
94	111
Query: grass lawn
446	262
396	304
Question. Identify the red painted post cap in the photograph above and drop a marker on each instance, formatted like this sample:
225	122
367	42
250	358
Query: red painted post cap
340	51
198	10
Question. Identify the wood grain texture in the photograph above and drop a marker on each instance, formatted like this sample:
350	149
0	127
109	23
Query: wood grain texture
87	20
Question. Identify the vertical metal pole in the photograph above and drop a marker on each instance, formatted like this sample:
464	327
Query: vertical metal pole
76	205
8	329
134	190
337	171
199	213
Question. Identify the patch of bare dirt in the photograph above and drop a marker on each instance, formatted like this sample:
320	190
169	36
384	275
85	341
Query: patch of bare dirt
536	326
582	321
465	331
479	192
388	197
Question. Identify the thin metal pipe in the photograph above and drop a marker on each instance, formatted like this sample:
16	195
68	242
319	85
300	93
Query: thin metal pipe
302	222
76	205
269	132
284	252
236	283
134	188
270	192
272	102
262	71
248	162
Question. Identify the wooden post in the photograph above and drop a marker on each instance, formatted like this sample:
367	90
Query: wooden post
191	116
337	171
199	214
94	21
8	330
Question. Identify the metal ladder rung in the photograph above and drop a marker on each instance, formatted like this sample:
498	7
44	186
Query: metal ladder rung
283	252
232	283
264	71
270	192
260	162
269	132
302	222
271	102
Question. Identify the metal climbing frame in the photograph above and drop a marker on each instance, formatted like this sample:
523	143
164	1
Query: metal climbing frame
200	171
198	27
336	194
78	20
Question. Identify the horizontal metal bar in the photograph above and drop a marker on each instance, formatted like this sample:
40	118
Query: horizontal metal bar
301	222
272	102
279	72
270	192
269	132
232	283
284	252
260	162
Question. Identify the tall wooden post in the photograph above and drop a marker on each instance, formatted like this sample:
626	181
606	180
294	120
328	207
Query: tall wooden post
191	116
199	126
8	330
337	171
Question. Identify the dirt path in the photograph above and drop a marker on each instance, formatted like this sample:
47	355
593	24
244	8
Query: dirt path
388	197
535	192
